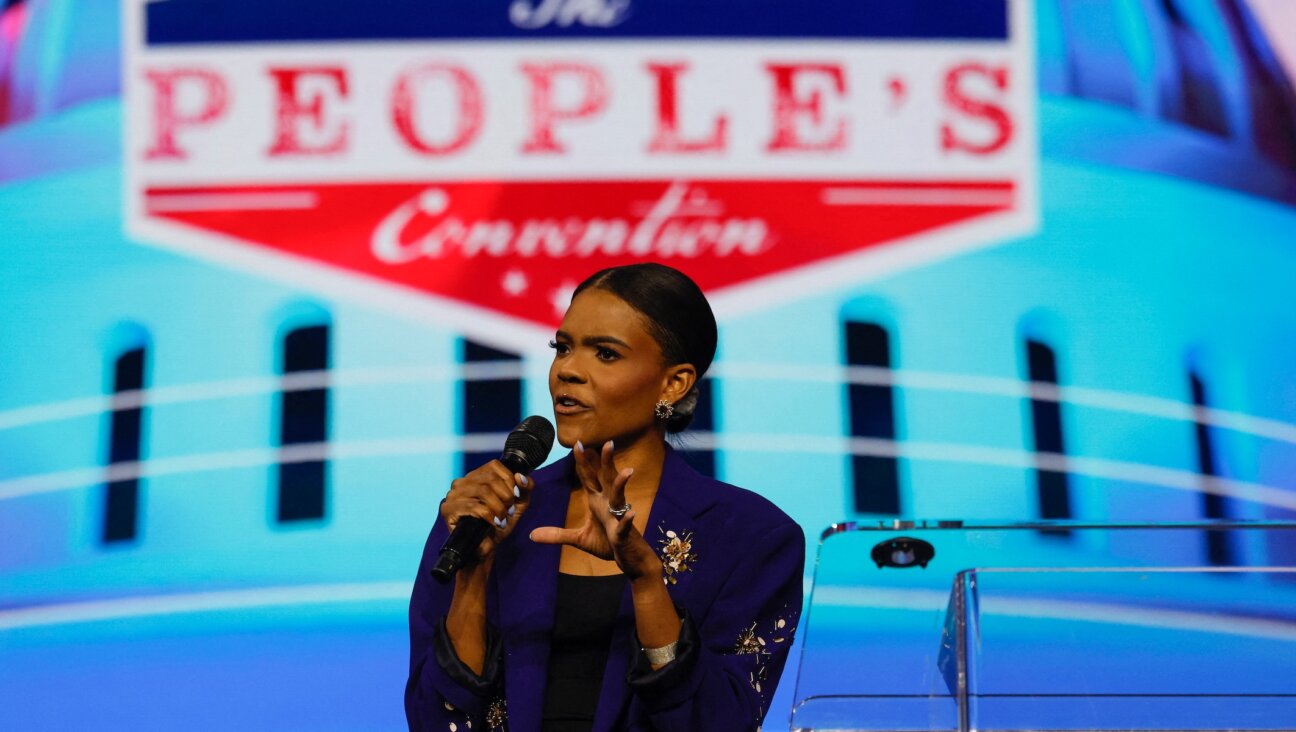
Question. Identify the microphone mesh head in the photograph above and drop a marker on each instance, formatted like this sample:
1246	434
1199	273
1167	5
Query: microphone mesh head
533	439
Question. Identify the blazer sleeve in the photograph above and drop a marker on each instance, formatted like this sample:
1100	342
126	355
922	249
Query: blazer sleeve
441	693
729	663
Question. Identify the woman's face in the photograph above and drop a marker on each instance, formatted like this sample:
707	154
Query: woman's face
608	373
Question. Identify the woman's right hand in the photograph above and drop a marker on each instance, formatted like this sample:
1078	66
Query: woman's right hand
492	494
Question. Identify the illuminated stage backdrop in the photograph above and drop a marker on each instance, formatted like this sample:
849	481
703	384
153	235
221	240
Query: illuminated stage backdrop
273	276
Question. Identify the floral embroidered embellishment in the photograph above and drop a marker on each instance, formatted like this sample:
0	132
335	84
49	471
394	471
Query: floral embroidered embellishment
497	714
750	642
757	676
677	554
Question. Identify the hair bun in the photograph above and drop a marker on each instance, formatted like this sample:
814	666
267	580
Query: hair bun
683	414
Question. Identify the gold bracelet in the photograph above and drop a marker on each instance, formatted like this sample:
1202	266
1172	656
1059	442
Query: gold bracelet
661	656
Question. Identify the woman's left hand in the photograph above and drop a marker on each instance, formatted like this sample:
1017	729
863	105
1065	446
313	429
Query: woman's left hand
604	535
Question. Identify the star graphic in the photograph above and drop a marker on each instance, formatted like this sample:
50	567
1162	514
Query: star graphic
561	297
514	282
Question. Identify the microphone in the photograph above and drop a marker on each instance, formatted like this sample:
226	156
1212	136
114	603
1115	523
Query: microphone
526	447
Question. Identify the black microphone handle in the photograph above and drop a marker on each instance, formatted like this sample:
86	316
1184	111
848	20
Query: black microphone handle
526	447
460	549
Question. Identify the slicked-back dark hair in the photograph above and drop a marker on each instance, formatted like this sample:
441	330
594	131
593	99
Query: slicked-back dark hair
678	315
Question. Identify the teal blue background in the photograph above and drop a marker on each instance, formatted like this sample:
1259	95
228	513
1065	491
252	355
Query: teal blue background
1162	248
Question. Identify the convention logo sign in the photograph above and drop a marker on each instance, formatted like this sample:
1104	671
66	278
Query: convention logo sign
471	161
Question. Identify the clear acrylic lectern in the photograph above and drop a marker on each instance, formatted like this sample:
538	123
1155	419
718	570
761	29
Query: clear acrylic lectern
1050	626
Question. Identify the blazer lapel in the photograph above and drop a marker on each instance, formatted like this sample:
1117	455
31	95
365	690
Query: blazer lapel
682	497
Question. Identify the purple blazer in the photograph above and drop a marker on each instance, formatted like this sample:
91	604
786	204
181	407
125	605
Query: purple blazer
733	564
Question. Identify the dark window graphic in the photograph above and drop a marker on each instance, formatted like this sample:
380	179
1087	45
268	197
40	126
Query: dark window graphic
304	421
125	441
702	459
1218	549
1046	428
489	405
875	478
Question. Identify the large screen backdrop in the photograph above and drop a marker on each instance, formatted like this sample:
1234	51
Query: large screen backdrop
273	275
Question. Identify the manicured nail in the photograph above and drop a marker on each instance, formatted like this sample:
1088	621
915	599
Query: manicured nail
517	492
511	510
500	523
579	446
611	445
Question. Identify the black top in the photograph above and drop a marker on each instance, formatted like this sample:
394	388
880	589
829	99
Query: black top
585	616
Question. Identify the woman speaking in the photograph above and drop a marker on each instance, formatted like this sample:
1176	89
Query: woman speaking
618	588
